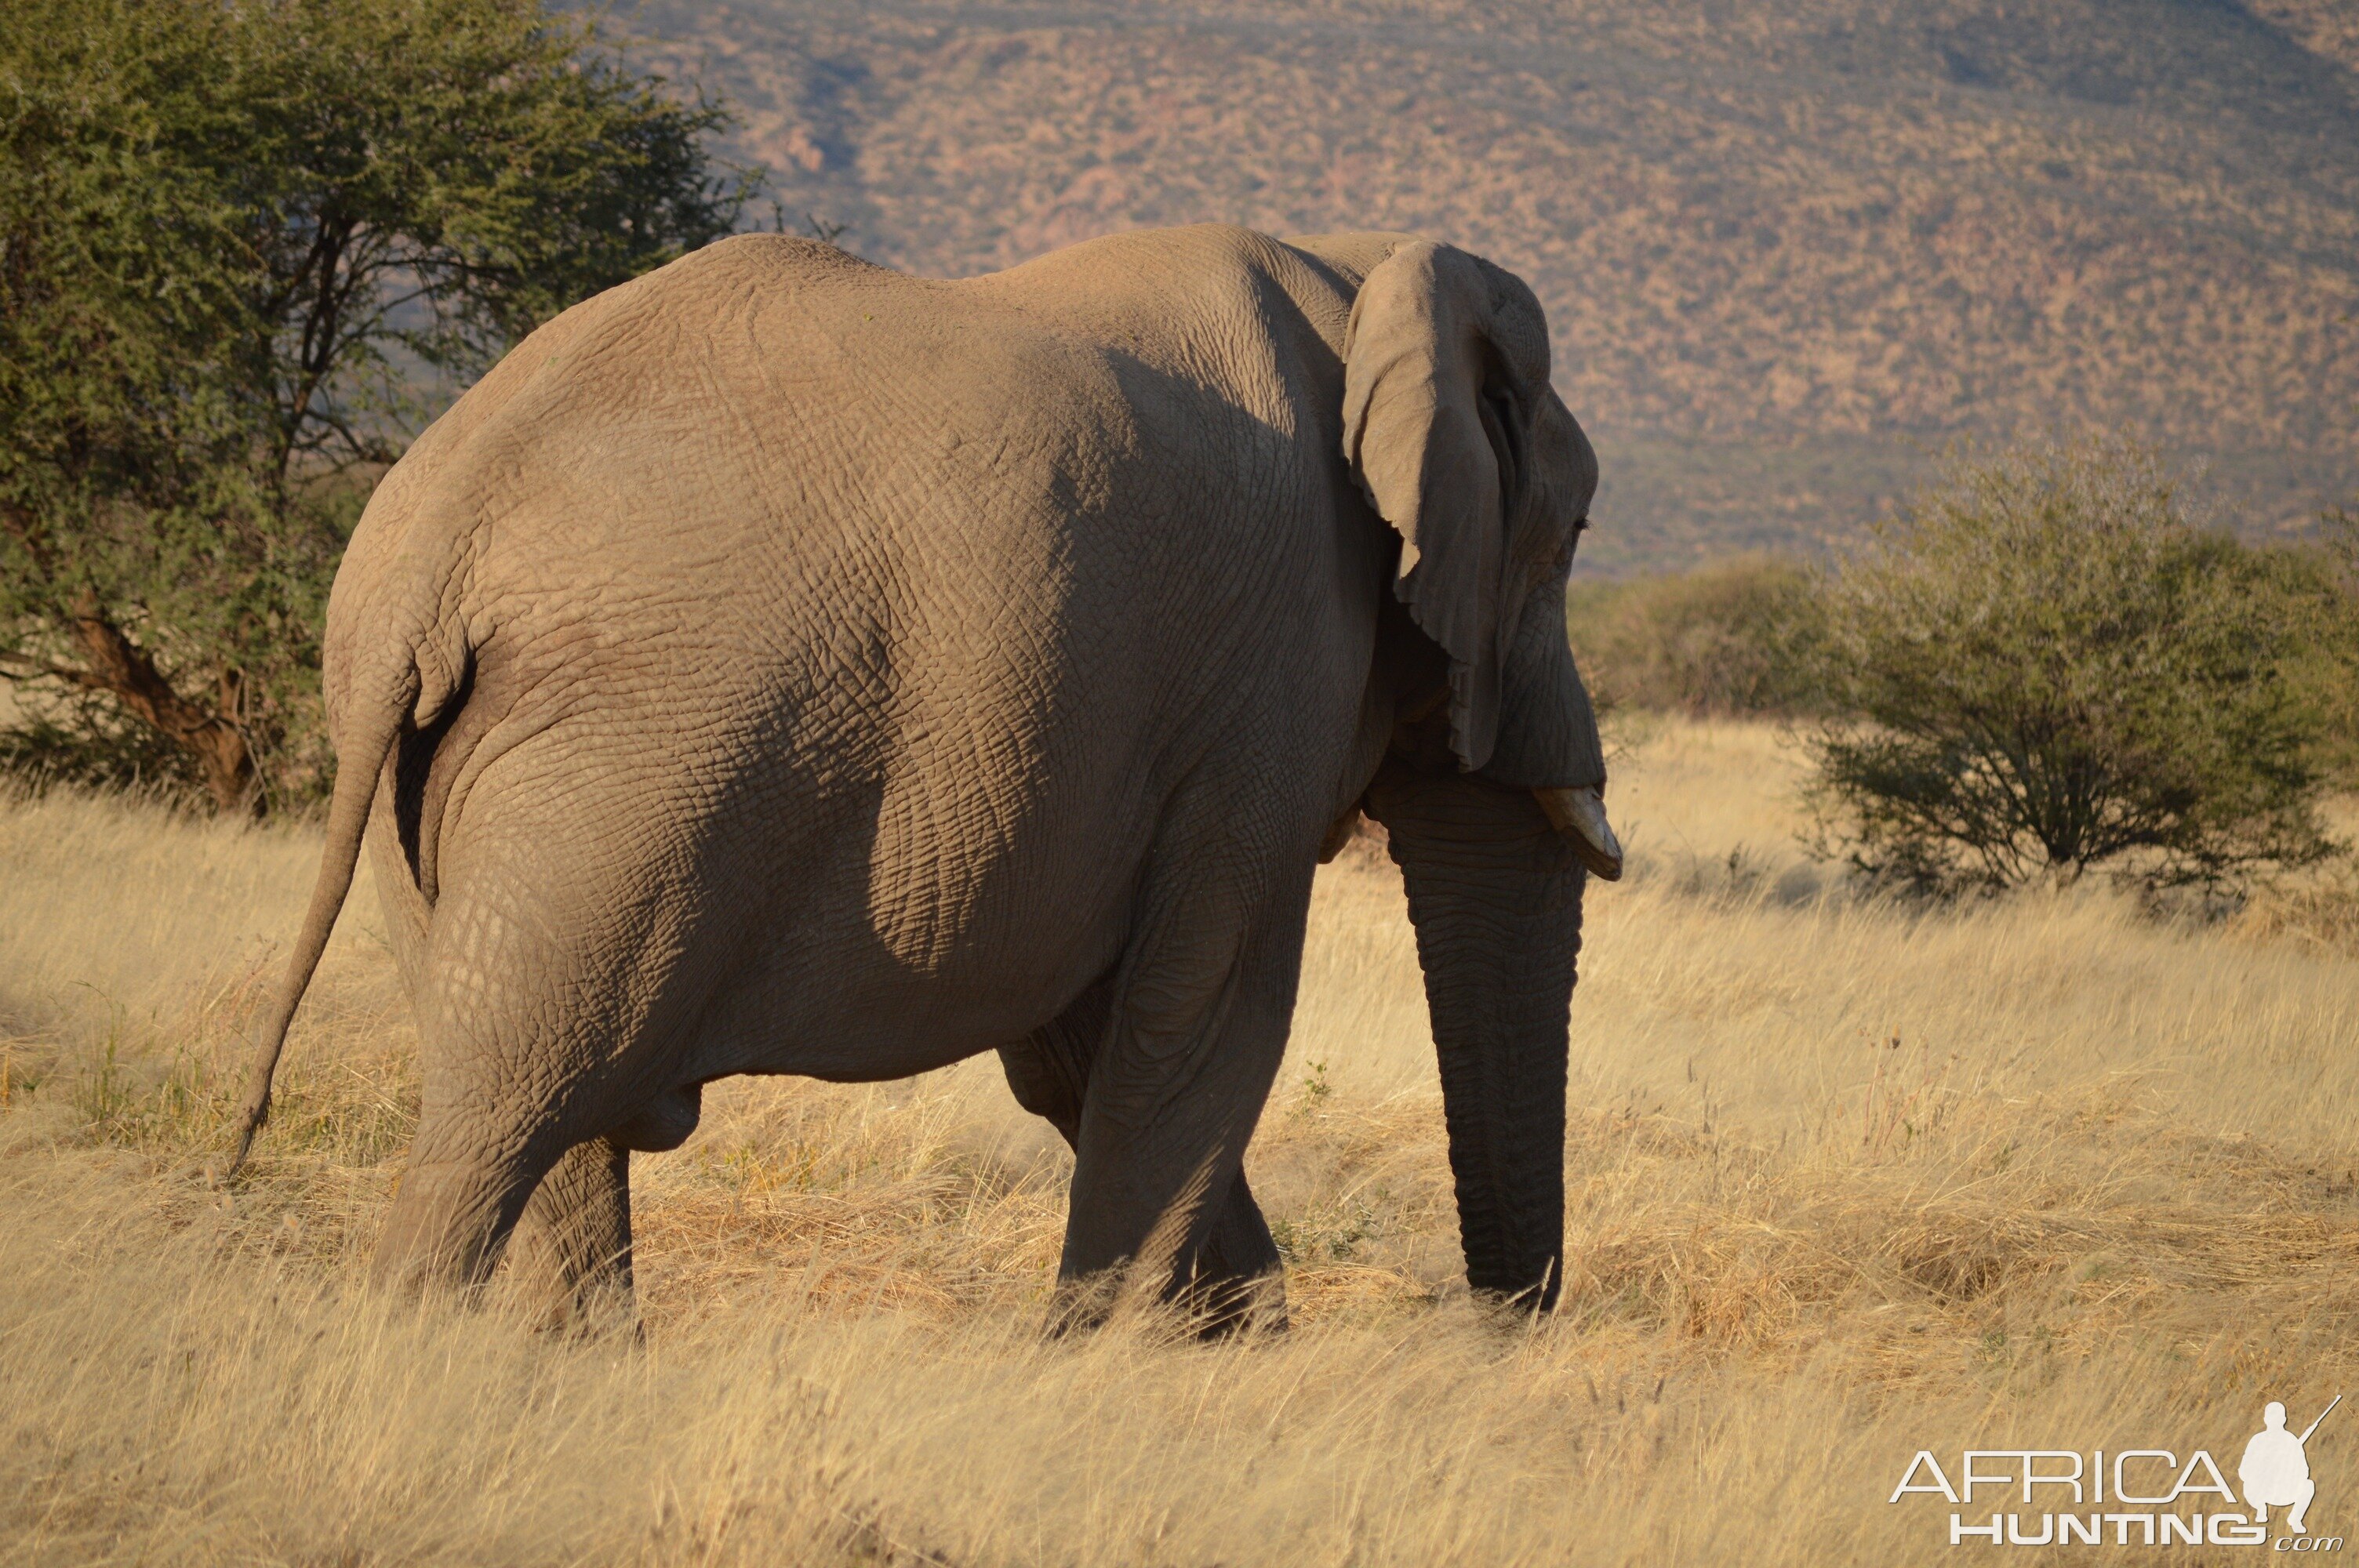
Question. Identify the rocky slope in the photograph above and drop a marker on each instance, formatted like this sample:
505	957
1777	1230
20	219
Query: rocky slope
1789	249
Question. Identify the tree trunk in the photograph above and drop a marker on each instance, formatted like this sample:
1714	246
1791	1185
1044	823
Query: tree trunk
121	668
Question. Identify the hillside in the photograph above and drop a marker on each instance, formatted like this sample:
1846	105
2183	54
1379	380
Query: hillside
1789	249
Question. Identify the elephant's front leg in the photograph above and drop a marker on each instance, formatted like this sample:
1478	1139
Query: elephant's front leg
1240	1281
570	1257
1198	1012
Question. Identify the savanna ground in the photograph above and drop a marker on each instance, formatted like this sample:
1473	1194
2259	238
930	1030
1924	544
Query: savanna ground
1846	1180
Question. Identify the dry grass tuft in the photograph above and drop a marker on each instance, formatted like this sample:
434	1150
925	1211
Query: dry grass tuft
1846	1180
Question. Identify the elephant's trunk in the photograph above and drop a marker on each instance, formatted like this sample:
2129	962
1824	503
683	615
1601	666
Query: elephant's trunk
1495	892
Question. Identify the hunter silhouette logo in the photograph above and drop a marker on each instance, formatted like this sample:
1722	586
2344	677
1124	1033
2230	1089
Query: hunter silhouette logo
2138	1497
2275	1468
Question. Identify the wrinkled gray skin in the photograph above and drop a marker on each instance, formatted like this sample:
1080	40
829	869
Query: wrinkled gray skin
780	665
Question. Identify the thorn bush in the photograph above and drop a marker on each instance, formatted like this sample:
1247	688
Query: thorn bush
2043	663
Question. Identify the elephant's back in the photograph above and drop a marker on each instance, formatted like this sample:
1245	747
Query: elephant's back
826	477
771	393
816	529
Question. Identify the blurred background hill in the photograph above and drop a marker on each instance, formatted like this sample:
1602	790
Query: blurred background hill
1789	250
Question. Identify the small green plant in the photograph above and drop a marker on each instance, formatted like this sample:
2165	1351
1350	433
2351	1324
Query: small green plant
2046	665
103	1094
1315	1089
183	1109
1325	1235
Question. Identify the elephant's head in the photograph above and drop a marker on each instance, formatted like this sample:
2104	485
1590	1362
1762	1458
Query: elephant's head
1493	795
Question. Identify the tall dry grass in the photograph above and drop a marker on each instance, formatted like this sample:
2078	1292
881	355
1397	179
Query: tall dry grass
1846	1180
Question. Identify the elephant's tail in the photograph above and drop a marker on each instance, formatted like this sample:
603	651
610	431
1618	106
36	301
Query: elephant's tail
357	768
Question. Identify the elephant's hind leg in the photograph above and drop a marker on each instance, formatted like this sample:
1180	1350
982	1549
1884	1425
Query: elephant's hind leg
569	1258
452	1216
487	1135
1239	1281
538	1040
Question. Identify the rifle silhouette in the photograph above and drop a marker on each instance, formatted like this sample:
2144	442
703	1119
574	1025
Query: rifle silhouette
2329	1410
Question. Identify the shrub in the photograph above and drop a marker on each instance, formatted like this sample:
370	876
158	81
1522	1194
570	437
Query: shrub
93	746
2046	666
1738	637
238	240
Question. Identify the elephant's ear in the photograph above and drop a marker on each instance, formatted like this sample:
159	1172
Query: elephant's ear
1443	364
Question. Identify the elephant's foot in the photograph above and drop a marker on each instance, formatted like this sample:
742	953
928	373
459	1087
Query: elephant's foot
1222	1307
1240	1284
1078	1305
1210	1306
1236	1285
569	1258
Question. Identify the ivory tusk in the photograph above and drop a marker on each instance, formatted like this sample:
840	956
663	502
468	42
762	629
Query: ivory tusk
1580	816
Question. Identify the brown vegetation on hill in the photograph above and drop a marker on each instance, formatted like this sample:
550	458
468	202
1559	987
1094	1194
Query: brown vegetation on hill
1787	247
2325	28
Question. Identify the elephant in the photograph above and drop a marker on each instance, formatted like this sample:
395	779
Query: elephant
781	665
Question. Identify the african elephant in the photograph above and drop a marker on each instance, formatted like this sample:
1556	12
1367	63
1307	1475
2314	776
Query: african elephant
781	665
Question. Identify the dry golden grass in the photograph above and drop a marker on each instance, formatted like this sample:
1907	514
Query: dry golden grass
1845	1180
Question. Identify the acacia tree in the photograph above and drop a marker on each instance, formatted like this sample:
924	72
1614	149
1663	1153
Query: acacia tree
242	245
2043	665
